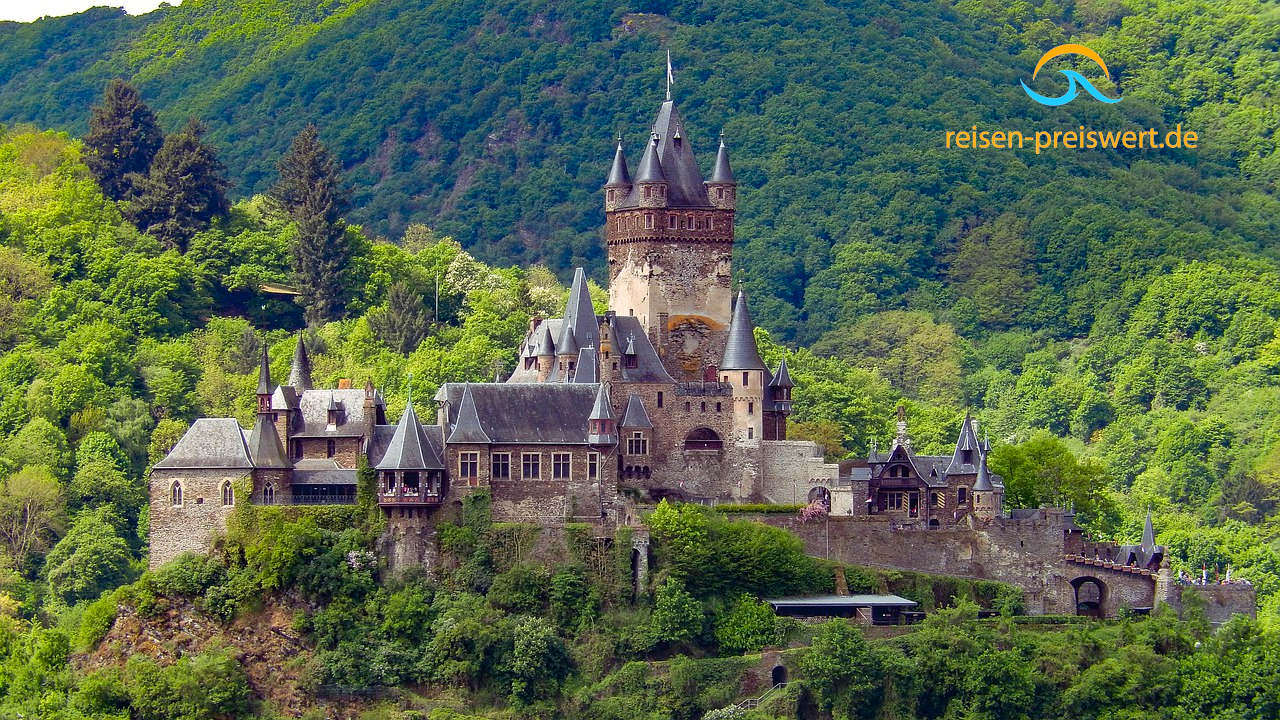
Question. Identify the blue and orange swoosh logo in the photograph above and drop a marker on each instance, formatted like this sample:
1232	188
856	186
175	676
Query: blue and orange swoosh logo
1077	80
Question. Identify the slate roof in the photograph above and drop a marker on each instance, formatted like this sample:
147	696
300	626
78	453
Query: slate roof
650	168
618	175
465	426
983	482
588	366
579	313
264	445
966	442
525	413
545	345
285	397
635	416
674	160
649	367
321	471
300	369
209	443
783	378
410	447
740	351
264	374
722	173
314	409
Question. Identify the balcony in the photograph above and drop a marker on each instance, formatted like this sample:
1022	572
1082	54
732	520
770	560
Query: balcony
400	499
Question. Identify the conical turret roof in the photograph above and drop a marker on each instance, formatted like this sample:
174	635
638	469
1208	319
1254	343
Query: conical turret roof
740	351
967	442
650	170
722	173
468	429
567	344
618	174
580	315
409	448
300	370
782	378
545	345
587	369
603	409
983	481
1148	536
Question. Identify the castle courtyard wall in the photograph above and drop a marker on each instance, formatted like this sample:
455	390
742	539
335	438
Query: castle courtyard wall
191	526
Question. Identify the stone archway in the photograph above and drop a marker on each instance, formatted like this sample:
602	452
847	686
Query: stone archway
779	675
820	494
1090	595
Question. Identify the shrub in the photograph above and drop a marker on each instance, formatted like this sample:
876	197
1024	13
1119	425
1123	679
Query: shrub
97	621
748	626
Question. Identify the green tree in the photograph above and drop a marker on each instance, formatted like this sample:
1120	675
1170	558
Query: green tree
123	138
748	626
843	672
91	557
32	511
309	190
184	191
539	661
404	321
677	616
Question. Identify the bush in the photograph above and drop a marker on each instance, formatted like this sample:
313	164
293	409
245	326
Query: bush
748	626
521	590
97	621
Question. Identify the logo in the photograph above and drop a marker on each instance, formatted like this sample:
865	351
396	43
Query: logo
1077	80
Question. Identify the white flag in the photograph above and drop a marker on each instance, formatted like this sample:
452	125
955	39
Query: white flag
671	78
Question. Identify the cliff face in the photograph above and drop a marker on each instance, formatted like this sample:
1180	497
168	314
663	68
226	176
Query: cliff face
272	653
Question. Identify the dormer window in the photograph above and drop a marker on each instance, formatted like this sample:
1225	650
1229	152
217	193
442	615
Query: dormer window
966	456
629	361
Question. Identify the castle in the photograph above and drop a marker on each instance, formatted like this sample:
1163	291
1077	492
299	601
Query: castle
664	395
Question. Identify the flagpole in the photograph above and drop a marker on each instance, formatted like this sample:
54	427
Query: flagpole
670	78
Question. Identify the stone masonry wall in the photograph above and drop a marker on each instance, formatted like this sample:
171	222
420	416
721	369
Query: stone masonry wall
1221	602
1025	553
790	468
192	525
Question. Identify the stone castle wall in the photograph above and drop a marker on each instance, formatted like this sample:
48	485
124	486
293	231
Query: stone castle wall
191	526
1221	602
790	468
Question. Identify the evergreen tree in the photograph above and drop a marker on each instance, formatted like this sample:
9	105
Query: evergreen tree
184	191
123	138
309	190
404	322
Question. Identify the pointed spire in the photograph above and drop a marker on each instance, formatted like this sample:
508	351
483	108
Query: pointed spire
588	369
567	345
967	449
619	176
265	448
740	351
409	448
580	315
603	409
467	429
650	170
1148	536
601	429
722	173
983	482
782	378
635	416
264	373
300	372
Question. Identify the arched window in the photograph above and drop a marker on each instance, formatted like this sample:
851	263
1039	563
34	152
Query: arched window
228	495
175	493
269	494
702	439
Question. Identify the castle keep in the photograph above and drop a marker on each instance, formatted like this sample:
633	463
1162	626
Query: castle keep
663	395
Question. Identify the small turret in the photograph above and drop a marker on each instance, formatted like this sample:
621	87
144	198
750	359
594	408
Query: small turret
740	350
618	185
300	370
722	188
467	428
651	181
779	403
743	369
602	428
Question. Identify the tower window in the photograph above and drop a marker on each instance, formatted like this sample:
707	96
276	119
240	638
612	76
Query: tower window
637	444
719	193
659	398
648	192
686	407
751	408
469	465
751	433
962	496
717	407
228	496
269	494
745	380
671	221
175	493
704	406
648	222
331	448
966	456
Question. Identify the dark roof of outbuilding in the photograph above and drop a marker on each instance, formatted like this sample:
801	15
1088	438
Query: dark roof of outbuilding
465	425
740	351
300	369
635	416
410	447
618	175
209	443
525	413
264	444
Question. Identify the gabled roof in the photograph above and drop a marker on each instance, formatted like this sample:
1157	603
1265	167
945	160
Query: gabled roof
285	397
618	175
314	412
209	443
635	416
466	427
587	369
265	448
649	367
740	351
300	370
722	173
524	413
409	447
